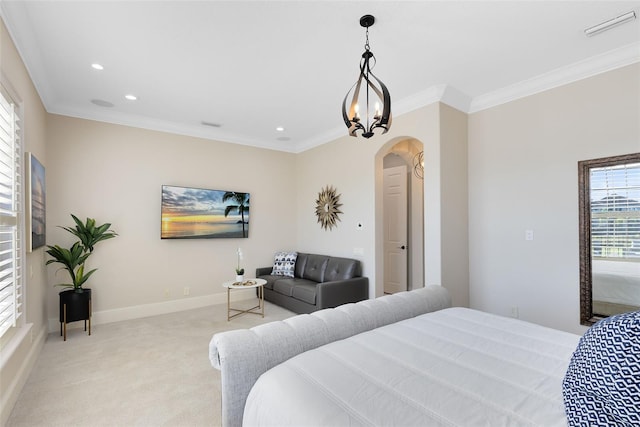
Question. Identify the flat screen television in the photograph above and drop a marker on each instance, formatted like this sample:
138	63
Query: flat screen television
197	213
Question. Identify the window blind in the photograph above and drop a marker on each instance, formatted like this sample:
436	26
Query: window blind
615	212
11	292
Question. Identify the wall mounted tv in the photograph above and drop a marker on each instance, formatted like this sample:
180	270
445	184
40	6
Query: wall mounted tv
196	213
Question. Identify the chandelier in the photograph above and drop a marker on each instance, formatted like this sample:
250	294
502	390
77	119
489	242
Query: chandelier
370	108
418	165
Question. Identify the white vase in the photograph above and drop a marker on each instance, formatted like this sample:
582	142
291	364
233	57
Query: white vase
239	277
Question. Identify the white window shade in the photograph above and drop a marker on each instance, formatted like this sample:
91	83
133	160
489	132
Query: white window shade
615	212
11	295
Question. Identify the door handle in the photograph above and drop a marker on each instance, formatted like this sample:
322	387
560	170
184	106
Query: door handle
403	247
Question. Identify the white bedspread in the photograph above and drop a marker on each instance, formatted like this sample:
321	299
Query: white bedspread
455	367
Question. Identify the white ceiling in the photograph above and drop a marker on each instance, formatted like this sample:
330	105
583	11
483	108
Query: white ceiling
252	66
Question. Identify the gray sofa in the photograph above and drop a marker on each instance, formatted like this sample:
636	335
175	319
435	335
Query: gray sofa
320	281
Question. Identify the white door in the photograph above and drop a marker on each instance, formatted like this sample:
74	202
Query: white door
395	229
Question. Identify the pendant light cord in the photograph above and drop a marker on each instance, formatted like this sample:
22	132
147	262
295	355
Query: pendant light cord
366	43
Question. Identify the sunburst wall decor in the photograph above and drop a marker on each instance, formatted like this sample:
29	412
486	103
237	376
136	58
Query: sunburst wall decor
328	207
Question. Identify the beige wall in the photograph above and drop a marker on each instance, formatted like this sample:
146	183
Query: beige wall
19	354
354	166
347	165
454	204
115	173
523	175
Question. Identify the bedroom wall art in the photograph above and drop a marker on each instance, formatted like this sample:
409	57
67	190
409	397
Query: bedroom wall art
36	203
328	207
197	213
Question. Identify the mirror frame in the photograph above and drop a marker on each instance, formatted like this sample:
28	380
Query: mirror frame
587	317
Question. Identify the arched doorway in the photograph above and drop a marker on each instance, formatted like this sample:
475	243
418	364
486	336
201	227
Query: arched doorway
395	169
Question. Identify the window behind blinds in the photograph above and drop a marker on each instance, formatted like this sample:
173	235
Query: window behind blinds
11	295
615	211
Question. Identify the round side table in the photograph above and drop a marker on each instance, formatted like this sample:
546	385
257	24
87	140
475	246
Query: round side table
245	284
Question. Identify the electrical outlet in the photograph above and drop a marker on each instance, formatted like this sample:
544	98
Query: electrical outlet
185	292
166	292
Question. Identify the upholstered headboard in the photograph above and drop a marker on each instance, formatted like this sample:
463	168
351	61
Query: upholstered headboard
245	354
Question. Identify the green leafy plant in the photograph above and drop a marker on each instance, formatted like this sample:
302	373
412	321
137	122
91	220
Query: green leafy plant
90	234
74	258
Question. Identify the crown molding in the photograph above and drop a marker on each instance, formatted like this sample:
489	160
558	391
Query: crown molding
323	138
608	61
158	125
447	94
595	65
17	16
419	99
440	93
444	93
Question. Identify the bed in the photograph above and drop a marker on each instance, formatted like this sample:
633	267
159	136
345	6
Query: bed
407	359
451	367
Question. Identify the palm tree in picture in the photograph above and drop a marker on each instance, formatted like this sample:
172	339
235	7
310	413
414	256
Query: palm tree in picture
241	201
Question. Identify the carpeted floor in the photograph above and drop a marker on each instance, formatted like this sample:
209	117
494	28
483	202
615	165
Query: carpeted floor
145	372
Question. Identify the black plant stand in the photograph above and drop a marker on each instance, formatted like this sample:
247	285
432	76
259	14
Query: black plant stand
74	306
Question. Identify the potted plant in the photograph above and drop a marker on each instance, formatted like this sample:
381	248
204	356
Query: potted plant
75	303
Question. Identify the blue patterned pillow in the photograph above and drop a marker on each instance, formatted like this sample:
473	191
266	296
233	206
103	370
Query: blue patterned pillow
602	384
284	263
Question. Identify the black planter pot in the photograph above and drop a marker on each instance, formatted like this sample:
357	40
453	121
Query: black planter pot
74	306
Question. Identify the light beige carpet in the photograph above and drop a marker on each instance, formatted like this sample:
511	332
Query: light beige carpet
146	372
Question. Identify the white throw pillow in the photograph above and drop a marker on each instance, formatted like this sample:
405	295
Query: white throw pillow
284	263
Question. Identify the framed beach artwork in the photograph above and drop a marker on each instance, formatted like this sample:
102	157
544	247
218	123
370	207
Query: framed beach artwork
197	213
36	203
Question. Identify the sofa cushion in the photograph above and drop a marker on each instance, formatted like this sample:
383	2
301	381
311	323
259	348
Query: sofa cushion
285	286
284	263
340	269
271	279
301	263
305	292
314	268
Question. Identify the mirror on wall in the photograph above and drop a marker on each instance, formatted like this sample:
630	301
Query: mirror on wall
609	203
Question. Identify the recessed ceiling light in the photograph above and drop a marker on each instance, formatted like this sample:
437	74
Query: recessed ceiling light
280	129
101	103
97	66
131	97
213	125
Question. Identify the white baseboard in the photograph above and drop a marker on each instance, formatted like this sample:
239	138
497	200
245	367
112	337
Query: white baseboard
154	309
11	391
